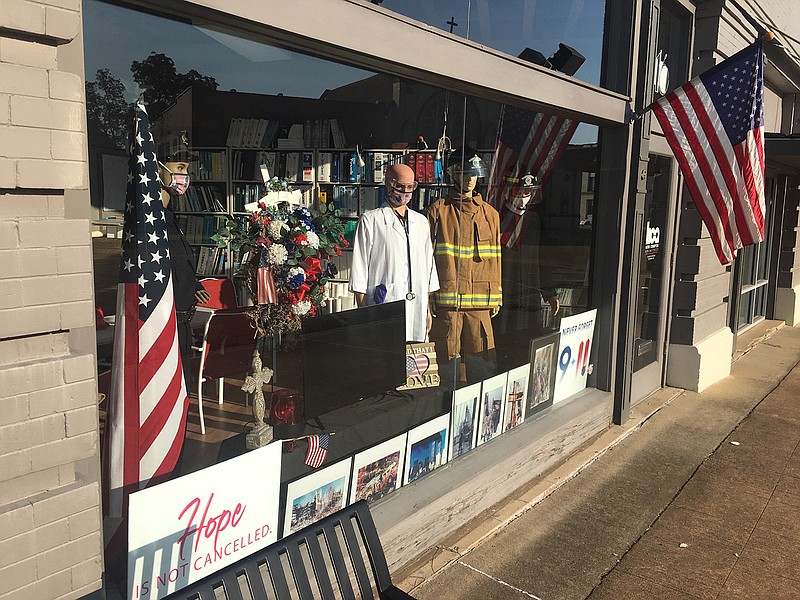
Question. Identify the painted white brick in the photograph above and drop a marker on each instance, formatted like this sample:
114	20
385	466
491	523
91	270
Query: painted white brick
66	474
41	347
37	262
79	367
26	53
25	142
21	206
51	174
49	587
67	145
82	420
21	488
17	548
51	535
83	523
65	503
64	451
66	86
28	320
13	465
11	261
9	233
5	109
45	112
32	433
13	410
19	81
16	521
74	259
17	575
22	16
31	377
68	4
41	233
62	24
62	399
8	174
77	314
55	206
67	555
87	572
10	293
58	289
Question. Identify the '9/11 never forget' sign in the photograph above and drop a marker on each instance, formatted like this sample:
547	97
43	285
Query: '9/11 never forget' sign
185	529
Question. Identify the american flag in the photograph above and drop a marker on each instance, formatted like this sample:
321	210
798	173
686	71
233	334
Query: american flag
148	399
528	142
317	449
265	280
417	364
715	126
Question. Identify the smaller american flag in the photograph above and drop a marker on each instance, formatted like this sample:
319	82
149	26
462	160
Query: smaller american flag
317	449
417	365
267	294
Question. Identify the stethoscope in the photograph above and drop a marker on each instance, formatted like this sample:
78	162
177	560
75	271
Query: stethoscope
410	295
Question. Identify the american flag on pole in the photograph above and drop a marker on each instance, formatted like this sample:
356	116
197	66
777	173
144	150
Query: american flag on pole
715	126
528	143
317	449
265	279
148	399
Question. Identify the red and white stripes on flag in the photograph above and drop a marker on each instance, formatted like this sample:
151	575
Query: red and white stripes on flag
265	280
317	449
715	127
528	143
148	400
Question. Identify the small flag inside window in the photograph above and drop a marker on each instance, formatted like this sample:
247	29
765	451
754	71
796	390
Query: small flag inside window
317	449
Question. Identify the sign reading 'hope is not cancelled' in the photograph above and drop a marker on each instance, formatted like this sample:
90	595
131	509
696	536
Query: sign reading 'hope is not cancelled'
185	529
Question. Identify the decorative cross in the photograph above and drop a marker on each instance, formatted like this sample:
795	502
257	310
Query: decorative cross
452	23
253	384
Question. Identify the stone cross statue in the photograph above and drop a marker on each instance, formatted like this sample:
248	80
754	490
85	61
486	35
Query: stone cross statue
261	434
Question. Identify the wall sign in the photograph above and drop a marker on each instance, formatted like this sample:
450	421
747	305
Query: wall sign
185	529
572	366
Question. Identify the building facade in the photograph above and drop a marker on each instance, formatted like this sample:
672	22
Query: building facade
612	228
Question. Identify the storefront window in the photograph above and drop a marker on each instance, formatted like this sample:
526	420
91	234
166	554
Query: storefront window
481	211
549	32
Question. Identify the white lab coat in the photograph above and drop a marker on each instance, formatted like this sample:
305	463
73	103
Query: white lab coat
380	256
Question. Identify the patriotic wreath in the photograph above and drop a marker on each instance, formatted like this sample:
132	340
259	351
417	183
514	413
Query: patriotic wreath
291	248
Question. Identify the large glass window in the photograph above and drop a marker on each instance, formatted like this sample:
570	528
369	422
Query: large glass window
404	204
552	33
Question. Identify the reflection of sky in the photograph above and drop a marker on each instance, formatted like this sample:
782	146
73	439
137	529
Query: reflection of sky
115	36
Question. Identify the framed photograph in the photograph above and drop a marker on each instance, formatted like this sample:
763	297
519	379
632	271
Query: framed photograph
516	396
543	372
378	471
464	420
316	496
426	449
490	411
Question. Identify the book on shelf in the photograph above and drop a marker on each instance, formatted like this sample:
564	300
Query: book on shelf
324	167
308	167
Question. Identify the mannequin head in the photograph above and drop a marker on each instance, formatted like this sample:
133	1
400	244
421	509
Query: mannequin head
174	177
174	157
465	167
400	185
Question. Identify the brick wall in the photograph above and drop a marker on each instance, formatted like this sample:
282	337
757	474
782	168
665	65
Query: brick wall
50	524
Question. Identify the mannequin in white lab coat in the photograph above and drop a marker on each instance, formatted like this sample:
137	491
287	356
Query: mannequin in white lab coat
393	255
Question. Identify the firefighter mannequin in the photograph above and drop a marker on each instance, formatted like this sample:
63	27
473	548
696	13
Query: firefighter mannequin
466	236
393	256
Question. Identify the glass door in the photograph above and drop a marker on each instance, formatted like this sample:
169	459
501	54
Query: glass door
653	275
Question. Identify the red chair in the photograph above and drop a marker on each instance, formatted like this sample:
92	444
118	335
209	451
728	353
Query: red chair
226	350
222	292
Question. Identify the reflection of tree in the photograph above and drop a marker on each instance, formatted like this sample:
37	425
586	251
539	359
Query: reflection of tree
106	109
157	75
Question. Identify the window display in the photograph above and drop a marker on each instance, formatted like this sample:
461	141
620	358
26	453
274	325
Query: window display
380	232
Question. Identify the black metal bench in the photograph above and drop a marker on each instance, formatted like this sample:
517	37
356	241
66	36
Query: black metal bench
331	554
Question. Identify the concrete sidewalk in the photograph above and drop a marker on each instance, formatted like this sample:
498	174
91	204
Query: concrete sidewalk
666	507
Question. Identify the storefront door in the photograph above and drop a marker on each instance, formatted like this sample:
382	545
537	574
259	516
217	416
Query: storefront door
654	275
